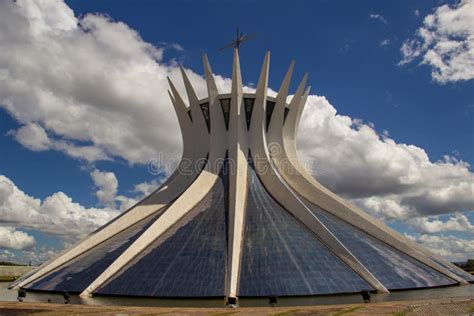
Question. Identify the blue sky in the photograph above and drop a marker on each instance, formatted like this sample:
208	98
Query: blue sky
352	50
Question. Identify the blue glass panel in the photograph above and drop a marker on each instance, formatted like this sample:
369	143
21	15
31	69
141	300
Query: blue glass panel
190	115
394	269
270	107
80	272
205	112
287	110
282	257
225	104
456	270
189	260
248	102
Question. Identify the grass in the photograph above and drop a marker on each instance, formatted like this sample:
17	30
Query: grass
11	264
403	312
471	309
225	313
288	312
7	278
347	310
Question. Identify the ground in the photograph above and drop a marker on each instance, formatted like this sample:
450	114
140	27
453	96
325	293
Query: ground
457	306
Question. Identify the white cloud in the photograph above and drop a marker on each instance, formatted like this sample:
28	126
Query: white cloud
416	12
15	239
390	179
433	224
384	207
450	247
126	202
450	196
445	42
384	42
107	185
85	80
55	215
378	17
33	256
140	191
147	187
6	255
175	46
34	137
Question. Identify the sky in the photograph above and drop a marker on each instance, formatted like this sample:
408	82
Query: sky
85	115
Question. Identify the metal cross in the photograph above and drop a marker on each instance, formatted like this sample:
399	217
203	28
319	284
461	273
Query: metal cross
239	39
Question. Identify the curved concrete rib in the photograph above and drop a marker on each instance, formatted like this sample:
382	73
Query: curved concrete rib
287	164
297	117
218	129
176	184
198	117
187	200
283	194
238	149
278	113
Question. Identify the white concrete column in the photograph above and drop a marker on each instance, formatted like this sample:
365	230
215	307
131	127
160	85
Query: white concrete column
238	151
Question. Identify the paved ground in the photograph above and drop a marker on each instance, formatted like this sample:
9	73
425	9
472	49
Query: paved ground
457	306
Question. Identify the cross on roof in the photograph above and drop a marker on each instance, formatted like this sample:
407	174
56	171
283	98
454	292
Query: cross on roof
239	39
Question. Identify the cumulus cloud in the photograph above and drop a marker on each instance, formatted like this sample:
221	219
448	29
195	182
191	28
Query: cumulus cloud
390	179
15	239
433	224
34	137
33	256
125	202
56	215
107	185
6	255
175	46
445	42
384	207
447	198
139	192
451	247
147	187
84	80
